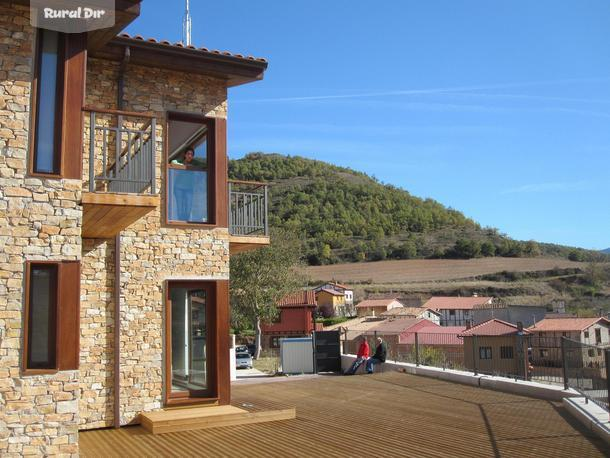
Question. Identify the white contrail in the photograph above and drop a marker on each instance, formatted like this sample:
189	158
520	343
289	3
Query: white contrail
425	91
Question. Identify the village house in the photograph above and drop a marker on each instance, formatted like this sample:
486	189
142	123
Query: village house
331	301
496	347
375	307
295	319
438	345
117	222
457	311
547	335
413	312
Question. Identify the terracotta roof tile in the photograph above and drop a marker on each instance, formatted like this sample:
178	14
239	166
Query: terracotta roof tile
456	303
298	299
493	327
179	44
565	324
377	303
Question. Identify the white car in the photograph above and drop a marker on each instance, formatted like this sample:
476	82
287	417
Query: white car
243	360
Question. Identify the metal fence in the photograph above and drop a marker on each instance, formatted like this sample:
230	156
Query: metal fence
121	151
586	370
551	360
248	208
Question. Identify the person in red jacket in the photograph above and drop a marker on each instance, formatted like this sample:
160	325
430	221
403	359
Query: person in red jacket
361	357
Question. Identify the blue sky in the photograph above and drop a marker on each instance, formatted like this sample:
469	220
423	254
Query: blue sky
498	109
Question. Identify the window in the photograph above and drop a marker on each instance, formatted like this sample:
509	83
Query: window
275	342
586	334
58	91
451	312
52	310
278	317
49	88
484	352
196	189
506	352
598	336
591	352
544	353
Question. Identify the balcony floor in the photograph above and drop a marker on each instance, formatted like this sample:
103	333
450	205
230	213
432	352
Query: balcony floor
241	243
389	414
106	214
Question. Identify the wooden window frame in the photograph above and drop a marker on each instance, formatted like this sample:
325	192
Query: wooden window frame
70	98
483	352
66	319
217	318
217	192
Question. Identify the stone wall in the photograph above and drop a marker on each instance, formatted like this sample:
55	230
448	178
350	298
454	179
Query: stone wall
40	219
150	254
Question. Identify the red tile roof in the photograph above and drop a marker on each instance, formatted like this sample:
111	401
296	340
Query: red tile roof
456	303
331	291
394	327
566	324
298	299
169	44
493	327
434	335
377	303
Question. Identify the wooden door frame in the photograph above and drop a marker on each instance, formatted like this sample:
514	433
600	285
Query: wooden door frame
211	393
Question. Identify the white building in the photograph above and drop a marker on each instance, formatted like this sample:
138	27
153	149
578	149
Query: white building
457	311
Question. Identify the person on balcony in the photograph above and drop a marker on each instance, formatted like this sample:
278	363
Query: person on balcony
186	184
379	356
361	356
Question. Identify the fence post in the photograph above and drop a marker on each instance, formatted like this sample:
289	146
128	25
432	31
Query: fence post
92	151
607	361
416	349
564	363
474	354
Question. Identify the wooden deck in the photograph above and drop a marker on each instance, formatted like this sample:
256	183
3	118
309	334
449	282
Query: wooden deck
389	414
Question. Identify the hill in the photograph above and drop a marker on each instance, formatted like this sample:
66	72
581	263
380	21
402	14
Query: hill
348	216
607	251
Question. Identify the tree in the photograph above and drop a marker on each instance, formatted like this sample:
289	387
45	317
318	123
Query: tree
260	278
488	249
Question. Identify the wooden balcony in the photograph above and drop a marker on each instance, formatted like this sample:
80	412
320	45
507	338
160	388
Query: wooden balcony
248	216
106	214
121	165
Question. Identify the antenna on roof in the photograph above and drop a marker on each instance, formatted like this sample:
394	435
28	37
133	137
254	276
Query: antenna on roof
186	25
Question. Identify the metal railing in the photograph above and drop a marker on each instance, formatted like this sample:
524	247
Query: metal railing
586	370
248	208
550	360
121	151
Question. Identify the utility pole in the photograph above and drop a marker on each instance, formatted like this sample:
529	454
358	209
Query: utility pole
186	25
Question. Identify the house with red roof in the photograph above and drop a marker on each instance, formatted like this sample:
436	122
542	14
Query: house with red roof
295	319
457	311
496	347
591	331
438	345
375	307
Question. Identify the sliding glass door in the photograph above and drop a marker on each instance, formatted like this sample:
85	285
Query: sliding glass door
190	348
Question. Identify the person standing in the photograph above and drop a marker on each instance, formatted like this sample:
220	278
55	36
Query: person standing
361	356
379	356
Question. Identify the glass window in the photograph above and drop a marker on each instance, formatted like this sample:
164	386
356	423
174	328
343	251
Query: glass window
485	352
506	352
42	317
189	339
48	101
188	172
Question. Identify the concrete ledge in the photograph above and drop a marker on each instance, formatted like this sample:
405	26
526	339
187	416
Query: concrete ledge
520	387
591	415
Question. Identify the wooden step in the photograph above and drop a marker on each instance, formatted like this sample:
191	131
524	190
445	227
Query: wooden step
186	419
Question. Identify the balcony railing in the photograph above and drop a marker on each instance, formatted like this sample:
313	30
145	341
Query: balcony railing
121	151
248	208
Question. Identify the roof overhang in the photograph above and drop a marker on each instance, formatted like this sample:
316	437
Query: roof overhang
235	70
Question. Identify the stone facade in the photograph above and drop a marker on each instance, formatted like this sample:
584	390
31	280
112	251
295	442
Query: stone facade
150	254
40	219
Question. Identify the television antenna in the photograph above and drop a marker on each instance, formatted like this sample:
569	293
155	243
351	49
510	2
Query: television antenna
186	25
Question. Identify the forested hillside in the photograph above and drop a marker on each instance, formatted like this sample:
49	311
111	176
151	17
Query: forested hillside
348	216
